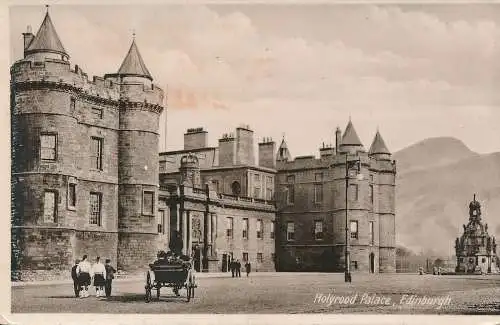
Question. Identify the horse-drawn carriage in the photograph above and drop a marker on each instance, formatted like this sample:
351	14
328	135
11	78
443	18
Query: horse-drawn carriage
169	272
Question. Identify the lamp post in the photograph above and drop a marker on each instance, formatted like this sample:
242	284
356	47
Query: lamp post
348	166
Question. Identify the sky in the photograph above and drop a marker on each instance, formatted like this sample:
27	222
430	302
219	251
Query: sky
299	71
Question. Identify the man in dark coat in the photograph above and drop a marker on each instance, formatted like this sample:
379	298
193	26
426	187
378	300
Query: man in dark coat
232	266
110	275
238	268
175	245
248	267
74	276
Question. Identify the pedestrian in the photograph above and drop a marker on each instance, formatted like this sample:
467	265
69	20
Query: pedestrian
99	274
232	266
74	276
110	275
238	268
248	268
83	270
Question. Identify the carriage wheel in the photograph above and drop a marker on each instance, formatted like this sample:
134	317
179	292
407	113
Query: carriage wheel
148	288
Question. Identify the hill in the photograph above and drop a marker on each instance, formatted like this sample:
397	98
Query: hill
434	190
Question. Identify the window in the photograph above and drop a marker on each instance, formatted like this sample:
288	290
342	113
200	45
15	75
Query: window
256	192
371	193
245	257
355	264
229	227
48	147
354	229
50	207
161	222
71	195
318	229
290	194
318	177
236	188
372	233
318	193
148	203
354	192
259	257
269	181
97	112
290	231
256	178
245	228
371	178
273	257
95	208
215	184
290	179
483	260
259	228
271	233
269	196
72	104
96	153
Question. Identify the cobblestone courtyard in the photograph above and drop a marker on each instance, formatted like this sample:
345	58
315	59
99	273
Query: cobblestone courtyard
281	293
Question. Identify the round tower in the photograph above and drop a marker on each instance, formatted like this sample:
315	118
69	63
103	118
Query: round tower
141	103
384	184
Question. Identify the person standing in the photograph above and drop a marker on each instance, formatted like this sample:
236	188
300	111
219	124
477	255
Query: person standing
238	268
248	268
232	266
110	275
83	270
99	273
74	276
176	244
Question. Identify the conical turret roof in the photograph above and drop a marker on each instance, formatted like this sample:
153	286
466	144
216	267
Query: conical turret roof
350	137
378	145
133	65
46	39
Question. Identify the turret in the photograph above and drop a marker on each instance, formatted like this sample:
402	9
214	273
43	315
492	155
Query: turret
338	139
46	44
190	171
350	140
378	149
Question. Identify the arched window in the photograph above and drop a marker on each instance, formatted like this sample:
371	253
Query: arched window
236	188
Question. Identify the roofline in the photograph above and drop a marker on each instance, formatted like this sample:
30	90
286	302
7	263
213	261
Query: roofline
46	50
165	153
128	75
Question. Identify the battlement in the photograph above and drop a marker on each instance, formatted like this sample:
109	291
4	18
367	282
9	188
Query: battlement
195	130
227	137
61	72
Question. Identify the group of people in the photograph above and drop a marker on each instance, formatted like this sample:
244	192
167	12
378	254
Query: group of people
235	267
84	274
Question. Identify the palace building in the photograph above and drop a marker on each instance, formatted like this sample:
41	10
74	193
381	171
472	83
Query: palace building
87	178
312	212
220	199
476	249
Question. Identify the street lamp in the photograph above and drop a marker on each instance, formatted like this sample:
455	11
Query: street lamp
349	165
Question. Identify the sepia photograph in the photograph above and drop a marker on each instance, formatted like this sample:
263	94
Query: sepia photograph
254	158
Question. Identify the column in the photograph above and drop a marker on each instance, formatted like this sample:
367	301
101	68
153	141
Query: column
184	232
209	233
213	231
189	233
178	218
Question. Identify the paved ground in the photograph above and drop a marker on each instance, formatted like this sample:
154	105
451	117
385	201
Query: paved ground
282	293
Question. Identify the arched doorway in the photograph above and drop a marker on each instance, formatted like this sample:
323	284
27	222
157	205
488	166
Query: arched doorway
372	263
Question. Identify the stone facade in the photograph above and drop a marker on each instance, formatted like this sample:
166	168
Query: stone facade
311	203
223	207
83	154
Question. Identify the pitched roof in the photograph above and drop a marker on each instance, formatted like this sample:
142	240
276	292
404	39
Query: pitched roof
350	137
378	145
46	39
133	65
283	152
